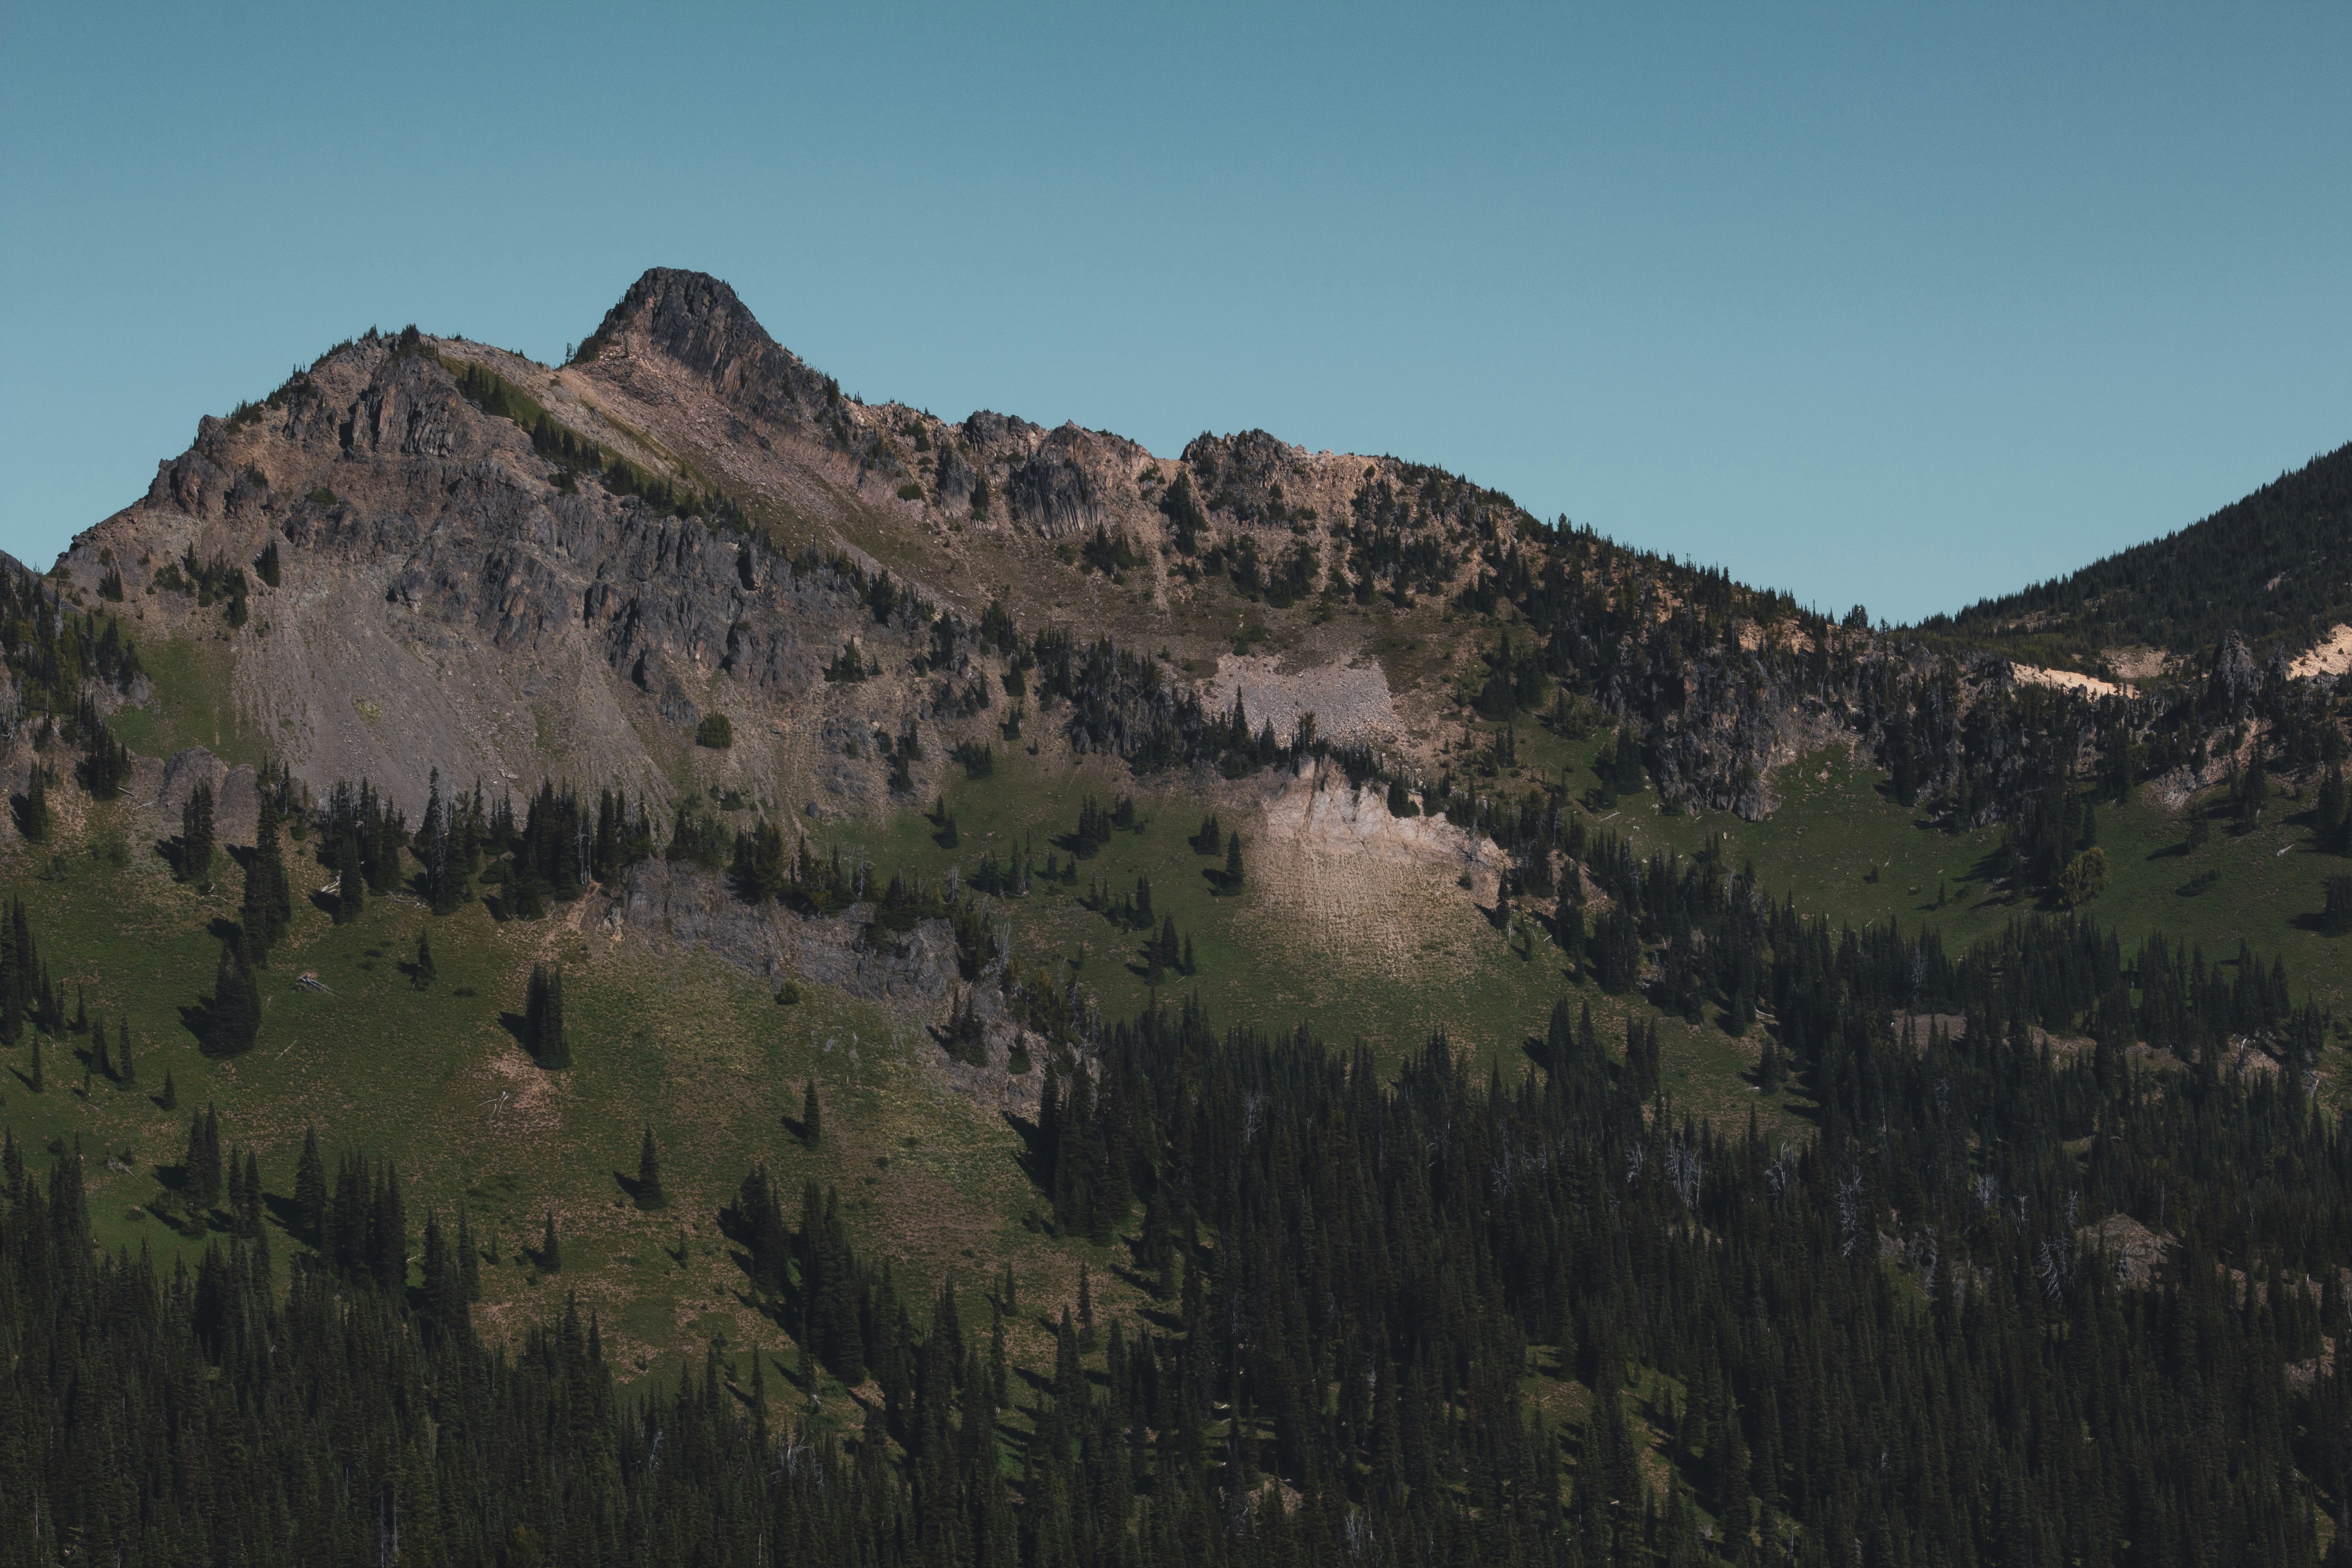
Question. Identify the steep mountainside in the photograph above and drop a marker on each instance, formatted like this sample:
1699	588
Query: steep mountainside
2274	568
517	572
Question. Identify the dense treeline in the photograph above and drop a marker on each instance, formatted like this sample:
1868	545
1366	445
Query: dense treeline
1910	1339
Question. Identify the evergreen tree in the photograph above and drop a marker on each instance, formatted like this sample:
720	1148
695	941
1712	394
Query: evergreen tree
812	1117
425	973
268	905
544	1032
470	1261
170	1099
201	1165
2332	824
126	1070
310	1189
32	1079
550	1249
37	805
350	884
236	1004
250	1199
649	1182
1234	862
197	847
2336	915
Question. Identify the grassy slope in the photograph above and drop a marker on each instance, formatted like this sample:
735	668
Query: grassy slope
191	705
930	1181
705	1058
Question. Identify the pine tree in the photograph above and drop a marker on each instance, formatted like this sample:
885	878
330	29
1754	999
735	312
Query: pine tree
170	1099
2333	814
1233	863
248	1197
32	1079
550	1249
268	906
99	1062
311	1190
197	847
350	885
388	1236
125	1070
237	1004
543	1033
470	1261
425	973
812	1117
37	805
649	1182
201	1165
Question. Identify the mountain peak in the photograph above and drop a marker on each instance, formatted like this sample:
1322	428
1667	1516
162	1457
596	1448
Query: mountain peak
700	323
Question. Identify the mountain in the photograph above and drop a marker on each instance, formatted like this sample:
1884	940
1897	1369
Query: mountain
1310	1015
505	571
2274	568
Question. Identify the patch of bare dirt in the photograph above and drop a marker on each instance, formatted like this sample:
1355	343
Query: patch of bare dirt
2069	680
2332	656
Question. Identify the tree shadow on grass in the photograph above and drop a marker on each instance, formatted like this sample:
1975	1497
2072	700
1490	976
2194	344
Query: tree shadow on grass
1034	1156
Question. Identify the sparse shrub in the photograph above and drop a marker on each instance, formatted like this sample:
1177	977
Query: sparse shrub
716	731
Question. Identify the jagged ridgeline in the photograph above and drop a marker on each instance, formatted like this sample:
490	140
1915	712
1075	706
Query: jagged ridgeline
940	859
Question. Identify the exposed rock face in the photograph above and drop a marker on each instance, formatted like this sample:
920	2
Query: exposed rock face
236	794
449	597
2234	678
697	322
664	905
664	902
445	602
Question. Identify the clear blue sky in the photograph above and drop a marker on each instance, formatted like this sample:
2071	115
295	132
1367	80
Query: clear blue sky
1902	304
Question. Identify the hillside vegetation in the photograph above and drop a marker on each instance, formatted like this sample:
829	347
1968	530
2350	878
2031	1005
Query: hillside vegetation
731	974
2275	568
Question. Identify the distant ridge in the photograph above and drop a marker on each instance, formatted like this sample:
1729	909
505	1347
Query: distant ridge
2274	566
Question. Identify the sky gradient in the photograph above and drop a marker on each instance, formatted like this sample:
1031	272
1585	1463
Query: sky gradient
1867	303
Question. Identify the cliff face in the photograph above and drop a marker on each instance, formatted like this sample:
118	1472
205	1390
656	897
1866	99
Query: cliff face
446	597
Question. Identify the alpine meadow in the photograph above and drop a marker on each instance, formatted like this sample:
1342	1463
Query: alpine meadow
647	962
